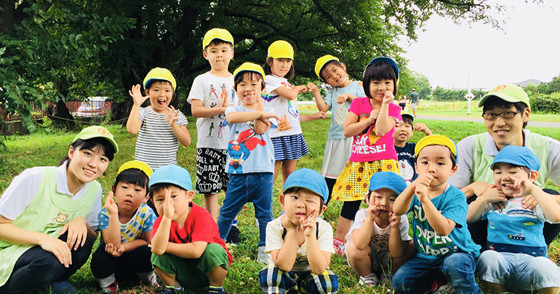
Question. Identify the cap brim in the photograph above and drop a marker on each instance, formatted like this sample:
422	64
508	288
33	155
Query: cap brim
502	96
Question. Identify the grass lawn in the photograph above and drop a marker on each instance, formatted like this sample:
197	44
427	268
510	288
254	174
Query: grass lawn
48	147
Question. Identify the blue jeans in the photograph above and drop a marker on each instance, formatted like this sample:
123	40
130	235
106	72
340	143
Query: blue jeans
243	188
418	274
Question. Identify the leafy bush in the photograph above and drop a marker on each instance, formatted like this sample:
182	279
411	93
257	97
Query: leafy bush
548	103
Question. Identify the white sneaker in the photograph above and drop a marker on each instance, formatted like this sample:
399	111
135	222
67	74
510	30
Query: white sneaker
262	256
369	280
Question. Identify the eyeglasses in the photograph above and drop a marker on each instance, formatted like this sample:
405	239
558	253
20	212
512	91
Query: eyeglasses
504	115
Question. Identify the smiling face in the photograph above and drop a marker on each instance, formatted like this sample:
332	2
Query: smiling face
384	199
377	89
506	131
218	54
506	174
300	204
280	66
181	202
403	132
249	89
129	196
85	165
161	93
335	74
436	161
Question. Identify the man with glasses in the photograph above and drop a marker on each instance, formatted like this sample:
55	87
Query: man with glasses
506	111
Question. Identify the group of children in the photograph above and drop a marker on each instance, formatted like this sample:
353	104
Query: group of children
249	132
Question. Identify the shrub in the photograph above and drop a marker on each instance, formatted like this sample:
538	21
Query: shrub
546	103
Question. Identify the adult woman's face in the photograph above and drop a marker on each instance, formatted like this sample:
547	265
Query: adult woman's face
86	165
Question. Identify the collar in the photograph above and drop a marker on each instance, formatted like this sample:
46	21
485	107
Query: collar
491	148
62	182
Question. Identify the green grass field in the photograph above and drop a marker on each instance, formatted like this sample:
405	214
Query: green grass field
47	147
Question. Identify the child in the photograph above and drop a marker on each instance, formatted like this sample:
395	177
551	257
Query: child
439	227
48	216
517	256
288	141
209	97
377	231
250	154
405	150
299	241
126	228
337	151
370	122
159	127
187	249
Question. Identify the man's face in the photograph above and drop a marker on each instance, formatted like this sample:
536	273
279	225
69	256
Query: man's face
506	131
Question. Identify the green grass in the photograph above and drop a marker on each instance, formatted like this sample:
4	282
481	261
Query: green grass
47	148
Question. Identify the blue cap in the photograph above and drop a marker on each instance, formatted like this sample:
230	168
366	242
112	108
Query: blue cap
387	180
172	174
392	63
517	155
308	179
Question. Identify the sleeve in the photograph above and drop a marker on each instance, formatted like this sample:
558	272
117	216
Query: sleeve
403	226
455	208
204	228
20	193
325	240
197	90
92	217
359	91
273	236
355	106
358	223
554	161
395	112
463	175
272	83
142	113
329	98
103	220
150	219
182	119
486	211
156	226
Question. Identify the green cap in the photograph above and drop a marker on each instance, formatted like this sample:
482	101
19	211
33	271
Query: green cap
508	92
97	132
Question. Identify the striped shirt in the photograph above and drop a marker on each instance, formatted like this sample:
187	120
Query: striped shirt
157	144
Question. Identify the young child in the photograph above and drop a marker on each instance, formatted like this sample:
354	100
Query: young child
405	150
126	228
299	241
370	122
288	141
210	94
517	256
439	226
337	151
378	241
250	154
159	127
187	249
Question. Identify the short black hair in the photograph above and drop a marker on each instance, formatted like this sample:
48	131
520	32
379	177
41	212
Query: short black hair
268	71
494	102
296	190
251	75
334	61
379	71
104	144
132	176
407	119
158	187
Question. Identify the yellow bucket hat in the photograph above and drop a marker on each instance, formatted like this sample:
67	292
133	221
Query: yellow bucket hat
281	49
137	164
160	73
322	61
216	33
435	140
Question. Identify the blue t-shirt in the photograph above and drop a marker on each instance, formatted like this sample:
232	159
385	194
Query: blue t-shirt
247	151
406	162
516	229
452	204
141	222
335	131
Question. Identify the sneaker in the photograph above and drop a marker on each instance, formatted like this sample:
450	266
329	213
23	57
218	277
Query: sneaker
233	236
63	287
111	289
369	280
442	286
172	290
150	280
262	256
216	290
338	247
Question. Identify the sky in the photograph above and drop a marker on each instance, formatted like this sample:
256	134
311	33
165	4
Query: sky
528	47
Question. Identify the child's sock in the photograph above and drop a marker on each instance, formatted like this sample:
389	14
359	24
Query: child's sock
149	278
106	282
216	290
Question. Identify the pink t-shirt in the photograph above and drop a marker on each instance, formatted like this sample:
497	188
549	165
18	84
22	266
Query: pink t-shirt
372	148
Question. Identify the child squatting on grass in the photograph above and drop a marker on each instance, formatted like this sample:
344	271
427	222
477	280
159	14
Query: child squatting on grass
126	229
187	249
516	259
378	242
439	223
299	241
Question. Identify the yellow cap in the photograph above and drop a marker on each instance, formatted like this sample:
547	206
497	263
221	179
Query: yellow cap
136	164
435	140
220	34
160	73
281	49
249	66
321	62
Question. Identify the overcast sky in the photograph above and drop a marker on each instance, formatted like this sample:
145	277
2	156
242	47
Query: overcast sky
527	48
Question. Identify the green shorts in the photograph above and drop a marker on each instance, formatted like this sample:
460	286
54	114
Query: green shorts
191	273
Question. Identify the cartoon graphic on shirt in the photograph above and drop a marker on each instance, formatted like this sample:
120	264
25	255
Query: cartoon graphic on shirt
240	148
211	128
220	131
284	124
407	171
292	110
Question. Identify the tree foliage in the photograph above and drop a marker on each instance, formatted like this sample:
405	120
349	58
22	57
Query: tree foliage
441	94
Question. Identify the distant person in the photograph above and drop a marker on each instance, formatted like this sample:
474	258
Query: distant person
413	101
402	102
506	112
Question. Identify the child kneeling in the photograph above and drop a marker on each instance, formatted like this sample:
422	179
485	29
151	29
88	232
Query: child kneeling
378	241
516	259
299	242
187	248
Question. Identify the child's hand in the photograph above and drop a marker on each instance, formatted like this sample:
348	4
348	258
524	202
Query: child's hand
168	208
287	224
312	88
319	115
110	204
495	196
136	95
372	211
114	250
269	115
524	186
394	220
421	187
374	114
342	98
529	202
422	128
171	115
301	88
223	102
388	97
308	224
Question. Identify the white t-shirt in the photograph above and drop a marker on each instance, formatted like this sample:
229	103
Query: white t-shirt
211	89
274	241
286	109
361	217
21	192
